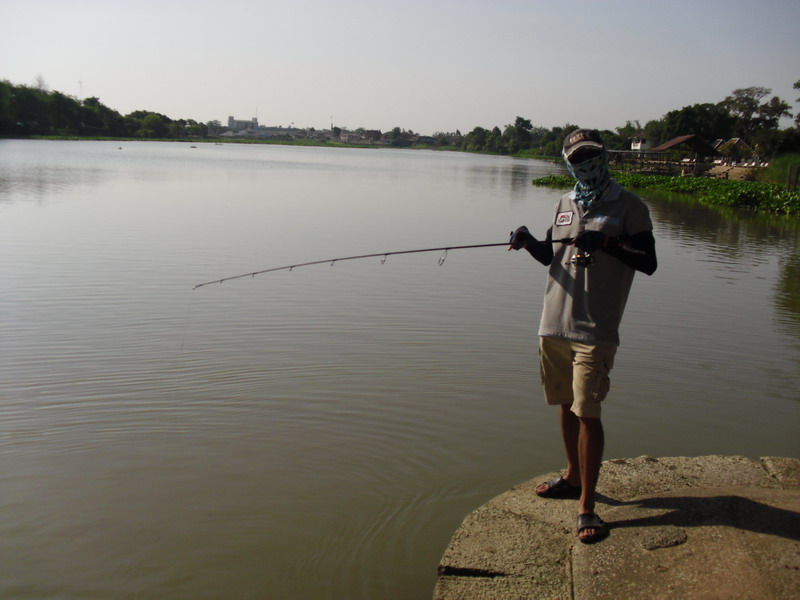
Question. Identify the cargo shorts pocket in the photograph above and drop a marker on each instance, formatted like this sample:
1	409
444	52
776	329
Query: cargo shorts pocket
598	384
592	369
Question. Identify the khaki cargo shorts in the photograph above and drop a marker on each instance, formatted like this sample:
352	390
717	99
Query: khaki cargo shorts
575	373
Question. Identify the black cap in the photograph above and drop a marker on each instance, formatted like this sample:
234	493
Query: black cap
582	138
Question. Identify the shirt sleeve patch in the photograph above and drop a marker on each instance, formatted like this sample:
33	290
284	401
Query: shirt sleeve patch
564	218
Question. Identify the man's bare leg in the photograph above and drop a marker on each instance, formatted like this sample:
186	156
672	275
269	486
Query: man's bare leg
584	440
591	441
570	432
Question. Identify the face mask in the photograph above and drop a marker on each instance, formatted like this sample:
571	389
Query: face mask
592	177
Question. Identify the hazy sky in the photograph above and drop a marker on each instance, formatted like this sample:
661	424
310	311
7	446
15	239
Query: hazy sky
432	65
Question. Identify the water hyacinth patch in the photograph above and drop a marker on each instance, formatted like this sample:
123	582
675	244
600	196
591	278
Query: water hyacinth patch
765	197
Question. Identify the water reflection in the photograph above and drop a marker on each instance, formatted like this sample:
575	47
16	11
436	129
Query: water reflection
38	183
787	293
736	240
722	231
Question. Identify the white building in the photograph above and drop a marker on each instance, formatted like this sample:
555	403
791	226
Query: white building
240	124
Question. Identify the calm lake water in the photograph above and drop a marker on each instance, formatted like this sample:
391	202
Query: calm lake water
321	433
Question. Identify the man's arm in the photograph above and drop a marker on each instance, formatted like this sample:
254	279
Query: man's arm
637	251
540	250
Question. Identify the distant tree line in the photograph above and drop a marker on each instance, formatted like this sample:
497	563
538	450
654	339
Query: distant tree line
748	113
34	110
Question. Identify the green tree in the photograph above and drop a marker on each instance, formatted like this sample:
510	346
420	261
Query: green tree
30	107
196	129
441	138
98	119
797	117
494	141
655	132
708	121
771	113
395	136
399	138
177	129
751	114
523	129
769	143
552	141
8	115
511	143
145	124
475	140
621	138
213	127
64	113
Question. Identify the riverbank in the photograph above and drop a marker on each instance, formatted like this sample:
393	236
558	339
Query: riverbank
691	528
754	195
308	142
212	141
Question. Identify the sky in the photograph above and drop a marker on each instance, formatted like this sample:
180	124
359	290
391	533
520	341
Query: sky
422	65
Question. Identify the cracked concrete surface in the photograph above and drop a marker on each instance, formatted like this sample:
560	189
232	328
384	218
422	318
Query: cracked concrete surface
681	527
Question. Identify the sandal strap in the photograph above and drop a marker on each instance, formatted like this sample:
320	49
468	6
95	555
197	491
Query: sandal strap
589	520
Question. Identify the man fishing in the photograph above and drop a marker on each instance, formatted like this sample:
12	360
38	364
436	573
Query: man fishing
609	236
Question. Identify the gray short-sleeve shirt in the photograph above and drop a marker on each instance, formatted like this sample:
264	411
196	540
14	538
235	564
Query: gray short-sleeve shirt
585	304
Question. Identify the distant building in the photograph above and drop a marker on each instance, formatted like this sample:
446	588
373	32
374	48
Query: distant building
698	145
639	144
242	125
737	151
733	145
348	137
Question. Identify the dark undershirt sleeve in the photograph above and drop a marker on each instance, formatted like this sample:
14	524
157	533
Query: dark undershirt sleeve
543	250
637	251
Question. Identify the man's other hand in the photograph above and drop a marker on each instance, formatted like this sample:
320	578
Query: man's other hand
589	241
520	238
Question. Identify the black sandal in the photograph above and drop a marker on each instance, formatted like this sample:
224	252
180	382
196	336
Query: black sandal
559	488
592	521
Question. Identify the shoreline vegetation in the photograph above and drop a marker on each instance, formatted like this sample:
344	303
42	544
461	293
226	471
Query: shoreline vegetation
761	196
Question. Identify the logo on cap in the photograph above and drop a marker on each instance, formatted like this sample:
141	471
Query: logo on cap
577	137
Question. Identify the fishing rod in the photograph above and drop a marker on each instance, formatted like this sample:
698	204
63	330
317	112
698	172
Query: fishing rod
333	261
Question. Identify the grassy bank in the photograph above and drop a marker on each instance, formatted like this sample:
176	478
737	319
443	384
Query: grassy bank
778	169
755	195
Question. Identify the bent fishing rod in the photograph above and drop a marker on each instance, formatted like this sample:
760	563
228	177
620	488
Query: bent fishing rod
384	255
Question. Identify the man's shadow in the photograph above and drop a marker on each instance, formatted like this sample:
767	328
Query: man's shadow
714	511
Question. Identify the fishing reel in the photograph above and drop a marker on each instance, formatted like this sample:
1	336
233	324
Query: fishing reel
585	243
582	258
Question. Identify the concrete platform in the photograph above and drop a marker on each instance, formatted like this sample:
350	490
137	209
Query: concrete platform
708	527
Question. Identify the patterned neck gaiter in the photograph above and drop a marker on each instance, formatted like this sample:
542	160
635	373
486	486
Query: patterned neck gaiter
593	177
